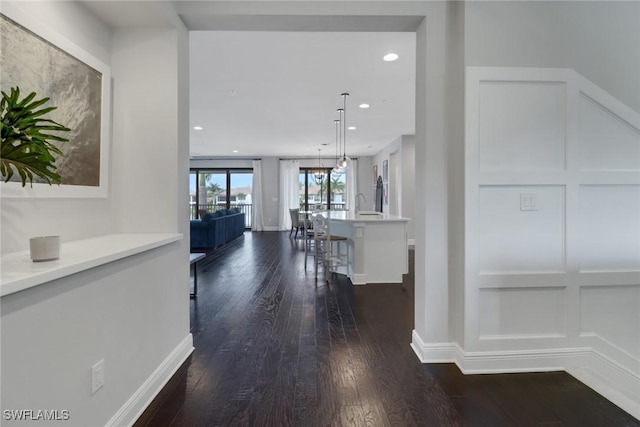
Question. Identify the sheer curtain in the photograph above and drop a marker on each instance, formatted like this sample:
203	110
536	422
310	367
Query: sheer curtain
352	187
257	221
289	195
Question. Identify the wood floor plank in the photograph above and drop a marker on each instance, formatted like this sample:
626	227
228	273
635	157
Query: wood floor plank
274	346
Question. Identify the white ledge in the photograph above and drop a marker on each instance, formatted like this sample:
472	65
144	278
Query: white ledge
20	273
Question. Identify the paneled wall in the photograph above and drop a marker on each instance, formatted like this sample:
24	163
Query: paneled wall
552	226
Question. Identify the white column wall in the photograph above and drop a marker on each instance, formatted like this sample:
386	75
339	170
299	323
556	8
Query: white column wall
133	313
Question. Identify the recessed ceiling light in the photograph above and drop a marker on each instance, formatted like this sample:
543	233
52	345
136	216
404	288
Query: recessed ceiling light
197	128
390	57
351	128
364	105
235	151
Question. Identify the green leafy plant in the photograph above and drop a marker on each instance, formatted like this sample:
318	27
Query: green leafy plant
26	147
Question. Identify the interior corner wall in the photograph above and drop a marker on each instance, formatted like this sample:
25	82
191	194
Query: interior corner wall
22	219
591	37
431	250
456	159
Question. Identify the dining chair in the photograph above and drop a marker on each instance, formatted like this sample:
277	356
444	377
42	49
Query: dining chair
295	222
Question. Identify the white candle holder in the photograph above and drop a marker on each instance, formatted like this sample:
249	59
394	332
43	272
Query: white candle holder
44	248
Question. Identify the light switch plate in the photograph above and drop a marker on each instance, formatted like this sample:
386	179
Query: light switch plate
528	202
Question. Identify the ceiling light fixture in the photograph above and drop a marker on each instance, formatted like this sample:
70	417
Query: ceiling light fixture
319	173
351	128
390	57
197	128
235	151
364	105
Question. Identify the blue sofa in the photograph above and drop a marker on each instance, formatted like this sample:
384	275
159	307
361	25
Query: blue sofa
216	229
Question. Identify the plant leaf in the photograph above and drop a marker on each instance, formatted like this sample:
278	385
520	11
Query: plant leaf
26	147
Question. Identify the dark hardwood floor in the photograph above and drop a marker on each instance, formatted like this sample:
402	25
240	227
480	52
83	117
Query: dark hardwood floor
275	348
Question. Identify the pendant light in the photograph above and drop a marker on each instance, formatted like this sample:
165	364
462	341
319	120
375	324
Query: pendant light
337	171
318	174
345	162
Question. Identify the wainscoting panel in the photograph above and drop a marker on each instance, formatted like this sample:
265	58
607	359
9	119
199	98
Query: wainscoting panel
522	313
609	227
515	238
612	313
608	142
552	228
522	125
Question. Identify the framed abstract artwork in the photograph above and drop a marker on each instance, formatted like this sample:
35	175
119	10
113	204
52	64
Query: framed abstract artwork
34	58
385	171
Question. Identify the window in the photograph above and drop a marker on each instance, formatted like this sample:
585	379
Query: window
214	189
327	193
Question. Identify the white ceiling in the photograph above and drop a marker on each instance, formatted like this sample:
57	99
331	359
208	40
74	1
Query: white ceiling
276	93
287	84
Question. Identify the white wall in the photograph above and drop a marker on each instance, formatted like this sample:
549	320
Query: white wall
552	225
455	158
134	313
25	218
598	39
403	148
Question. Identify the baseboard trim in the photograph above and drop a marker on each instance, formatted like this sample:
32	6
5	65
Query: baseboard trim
138	402
602	374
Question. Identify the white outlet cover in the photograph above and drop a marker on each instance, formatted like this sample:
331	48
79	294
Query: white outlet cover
97	376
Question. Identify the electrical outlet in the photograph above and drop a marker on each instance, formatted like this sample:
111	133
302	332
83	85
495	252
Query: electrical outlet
97	376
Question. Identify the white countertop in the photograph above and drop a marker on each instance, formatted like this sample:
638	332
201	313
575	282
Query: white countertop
365	216
18	272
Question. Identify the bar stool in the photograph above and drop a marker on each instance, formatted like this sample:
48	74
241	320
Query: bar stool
323	242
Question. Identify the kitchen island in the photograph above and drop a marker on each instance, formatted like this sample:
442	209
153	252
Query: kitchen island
378	248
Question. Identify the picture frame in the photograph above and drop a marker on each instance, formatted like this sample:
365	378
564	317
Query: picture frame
375	174
385	171
92	135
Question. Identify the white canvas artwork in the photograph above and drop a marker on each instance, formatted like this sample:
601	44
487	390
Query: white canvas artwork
35	65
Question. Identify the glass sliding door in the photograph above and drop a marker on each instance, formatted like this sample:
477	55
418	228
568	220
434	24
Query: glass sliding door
316	193
241	191
215	189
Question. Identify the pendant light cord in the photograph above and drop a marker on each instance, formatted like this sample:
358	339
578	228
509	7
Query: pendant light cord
344	123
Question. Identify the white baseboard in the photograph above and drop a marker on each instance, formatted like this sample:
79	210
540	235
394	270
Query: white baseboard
608	378
618	384
434	352
142	398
